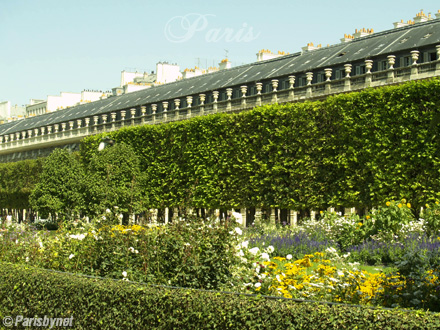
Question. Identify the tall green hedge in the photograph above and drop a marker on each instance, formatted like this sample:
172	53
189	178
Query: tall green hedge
108	304
357	149
17	180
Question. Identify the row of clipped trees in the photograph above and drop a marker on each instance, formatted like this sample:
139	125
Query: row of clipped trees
352	150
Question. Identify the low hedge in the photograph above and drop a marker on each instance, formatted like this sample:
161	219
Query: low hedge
108	304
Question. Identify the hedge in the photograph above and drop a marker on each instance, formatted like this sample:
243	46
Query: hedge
358	149
17	180
351	150
109	304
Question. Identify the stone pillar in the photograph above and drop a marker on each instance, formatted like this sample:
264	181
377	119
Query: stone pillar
291	88
166	214
293	218
368	67
35	131
133	114
229	95
95	123
41	132
143	112
79	123
257	215
215	96
165	110
104	118
309	76
123	113
328	75
153	111
347	82
202	98
272	216
414	66
113	116
189	101
49	129
313	215
243	217
390	72
63	127
259	89
274	90
87	121
243	95
176	108
56	128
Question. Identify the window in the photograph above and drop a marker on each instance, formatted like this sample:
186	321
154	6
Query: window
360	69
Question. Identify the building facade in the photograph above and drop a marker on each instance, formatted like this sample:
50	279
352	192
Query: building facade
365	59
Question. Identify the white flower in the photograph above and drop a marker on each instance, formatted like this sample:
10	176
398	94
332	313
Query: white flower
278	278
78	237
340	273
254	250
245	244
257	269
131	249
16	241
136	251
257	285
124	273
71	256
264	255
270	249
238	231
240	253
27	259
289	256
41	244
107	211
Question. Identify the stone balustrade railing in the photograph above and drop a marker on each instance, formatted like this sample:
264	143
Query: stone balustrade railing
196	105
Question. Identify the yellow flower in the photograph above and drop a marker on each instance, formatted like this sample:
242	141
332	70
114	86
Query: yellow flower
403	200
368	217
408	205
436	203
400	205
360	224
427	206
388	203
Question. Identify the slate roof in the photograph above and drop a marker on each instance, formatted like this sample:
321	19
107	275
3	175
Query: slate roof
377	45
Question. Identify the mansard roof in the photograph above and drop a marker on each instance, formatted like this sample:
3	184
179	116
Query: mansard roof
376	45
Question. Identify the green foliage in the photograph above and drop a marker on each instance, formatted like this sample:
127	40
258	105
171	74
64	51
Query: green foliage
108	304
61	186
114	179
194	253
431	217
17	180
389	220
358	149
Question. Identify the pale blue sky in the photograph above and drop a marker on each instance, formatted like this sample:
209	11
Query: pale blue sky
49	46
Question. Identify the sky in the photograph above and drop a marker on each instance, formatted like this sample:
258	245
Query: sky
53	46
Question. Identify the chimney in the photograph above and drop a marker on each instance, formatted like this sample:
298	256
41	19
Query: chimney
224	64
420	17
362	33
347	38
310	47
